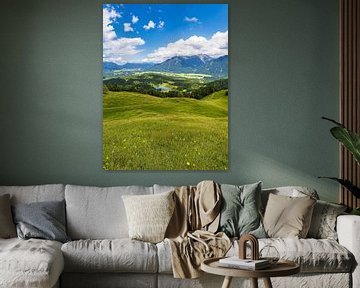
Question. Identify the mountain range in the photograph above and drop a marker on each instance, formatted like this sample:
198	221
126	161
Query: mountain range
200	64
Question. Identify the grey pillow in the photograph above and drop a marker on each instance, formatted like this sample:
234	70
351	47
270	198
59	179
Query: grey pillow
7	227
323	222
44	220
240	213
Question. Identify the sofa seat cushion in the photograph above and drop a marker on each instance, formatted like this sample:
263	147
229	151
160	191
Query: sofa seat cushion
313	255
115	255
30	263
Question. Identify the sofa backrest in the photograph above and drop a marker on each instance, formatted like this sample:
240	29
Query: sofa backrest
98	212
36	193
163	188
293	191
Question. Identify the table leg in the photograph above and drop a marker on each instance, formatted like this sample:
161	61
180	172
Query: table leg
254	282
227	282
267	283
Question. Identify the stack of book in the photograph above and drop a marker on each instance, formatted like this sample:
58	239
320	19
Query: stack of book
248	264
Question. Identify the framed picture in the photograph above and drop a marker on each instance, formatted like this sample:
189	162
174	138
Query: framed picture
165	86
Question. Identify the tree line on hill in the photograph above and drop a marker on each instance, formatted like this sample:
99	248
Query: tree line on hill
146	88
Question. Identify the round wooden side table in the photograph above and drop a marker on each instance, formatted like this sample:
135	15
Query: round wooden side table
281	268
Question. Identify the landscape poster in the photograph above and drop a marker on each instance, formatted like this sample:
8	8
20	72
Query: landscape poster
165	86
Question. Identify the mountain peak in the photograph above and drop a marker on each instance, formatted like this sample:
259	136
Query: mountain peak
202	57
200	63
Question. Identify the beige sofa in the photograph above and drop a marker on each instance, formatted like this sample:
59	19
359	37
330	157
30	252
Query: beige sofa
101	254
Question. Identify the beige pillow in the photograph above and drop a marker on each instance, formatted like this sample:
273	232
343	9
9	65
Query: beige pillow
149	215
288	217
7	226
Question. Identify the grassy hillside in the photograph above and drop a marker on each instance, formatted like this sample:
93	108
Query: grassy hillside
142	132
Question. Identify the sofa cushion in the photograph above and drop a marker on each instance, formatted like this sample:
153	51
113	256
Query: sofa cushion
116	255
149	215
30	263
7	226
43	220
163	188
240	210
36	193
164	257
313	255
291	191
98	213
287	216
323	222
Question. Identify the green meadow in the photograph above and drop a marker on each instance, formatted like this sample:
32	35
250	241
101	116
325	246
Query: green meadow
143	132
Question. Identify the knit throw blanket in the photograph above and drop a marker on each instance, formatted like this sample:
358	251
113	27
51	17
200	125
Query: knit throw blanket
191	232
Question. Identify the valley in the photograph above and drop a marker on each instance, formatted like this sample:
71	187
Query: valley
166	84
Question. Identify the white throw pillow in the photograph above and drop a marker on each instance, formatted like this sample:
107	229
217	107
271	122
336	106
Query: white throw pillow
149	215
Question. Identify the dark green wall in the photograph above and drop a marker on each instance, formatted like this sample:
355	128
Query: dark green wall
283	78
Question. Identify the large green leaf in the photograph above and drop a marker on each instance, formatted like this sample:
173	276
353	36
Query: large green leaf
347	184
348	138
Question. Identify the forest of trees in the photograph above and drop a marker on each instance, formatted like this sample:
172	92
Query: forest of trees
184	88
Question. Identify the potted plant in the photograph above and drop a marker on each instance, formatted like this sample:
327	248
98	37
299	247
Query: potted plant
351	141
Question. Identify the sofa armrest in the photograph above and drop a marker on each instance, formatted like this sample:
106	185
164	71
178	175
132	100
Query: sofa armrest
348	230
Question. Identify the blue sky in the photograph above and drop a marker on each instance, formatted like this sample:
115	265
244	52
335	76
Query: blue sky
156	32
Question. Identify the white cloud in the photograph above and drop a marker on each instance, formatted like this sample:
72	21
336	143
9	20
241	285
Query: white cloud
191	19
110	15
215	46
161	24
121	50
118	50
134	19
127	27
150	25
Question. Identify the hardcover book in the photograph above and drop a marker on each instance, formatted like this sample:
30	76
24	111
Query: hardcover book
236	262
